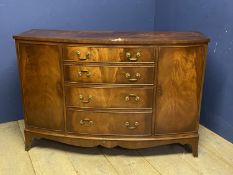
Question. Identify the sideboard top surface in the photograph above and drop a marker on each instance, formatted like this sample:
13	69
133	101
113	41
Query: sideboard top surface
110	37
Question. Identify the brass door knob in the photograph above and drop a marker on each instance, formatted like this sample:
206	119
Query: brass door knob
128	55
159	90
138	55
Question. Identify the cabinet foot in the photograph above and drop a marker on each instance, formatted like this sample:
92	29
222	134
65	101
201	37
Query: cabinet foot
28	141
194	145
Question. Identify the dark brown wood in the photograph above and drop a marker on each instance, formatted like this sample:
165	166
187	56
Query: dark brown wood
113	141
133	90
108	74
194	146
110	37
109	54
28	140
114	123
179	91
109	97
41	80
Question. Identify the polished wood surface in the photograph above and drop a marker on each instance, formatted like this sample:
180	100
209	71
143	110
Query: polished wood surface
109	54
110	37
115	123
109	74
179	92
41	81
133	90
121	97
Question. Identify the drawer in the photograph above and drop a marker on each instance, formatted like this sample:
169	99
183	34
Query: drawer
107	97
109	74
114	54
104	123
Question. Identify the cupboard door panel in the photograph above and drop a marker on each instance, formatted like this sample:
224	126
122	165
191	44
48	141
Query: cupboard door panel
178	92
41	80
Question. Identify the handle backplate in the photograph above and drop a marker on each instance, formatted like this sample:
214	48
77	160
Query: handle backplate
131	127
133	96
83	58
132	78
86	122
86	72
87	100
133	59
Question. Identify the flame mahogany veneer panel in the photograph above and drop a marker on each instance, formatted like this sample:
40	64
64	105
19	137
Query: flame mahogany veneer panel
41	80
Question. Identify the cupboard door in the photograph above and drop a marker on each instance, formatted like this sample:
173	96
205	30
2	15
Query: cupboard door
41	81
180	72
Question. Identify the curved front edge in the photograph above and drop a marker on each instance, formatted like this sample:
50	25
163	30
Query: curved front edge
111	142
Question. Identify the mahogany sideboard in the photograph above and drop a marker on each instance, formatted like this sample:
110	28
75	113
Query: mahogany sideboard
127	89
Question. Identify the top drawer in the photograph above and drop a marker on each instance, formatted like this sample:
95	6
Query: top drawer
109	54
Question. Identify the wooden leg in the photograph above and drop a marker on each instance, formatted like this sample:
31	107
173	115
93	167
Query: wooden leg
28	141
194	145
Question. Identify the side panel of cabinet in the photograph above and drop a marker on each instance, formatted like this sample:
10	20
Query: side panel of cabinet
41	81
180	77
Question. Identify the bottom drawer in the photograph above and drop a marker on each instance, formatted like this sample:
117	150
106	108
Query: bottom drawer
109	123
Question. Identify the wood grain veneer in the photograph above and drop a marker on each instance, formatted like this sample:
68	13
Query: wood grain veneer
108	54
109	74
128	89
121	97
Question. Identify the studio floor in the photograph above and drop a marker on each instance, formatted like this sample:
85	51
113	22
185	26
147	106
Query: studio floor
52	158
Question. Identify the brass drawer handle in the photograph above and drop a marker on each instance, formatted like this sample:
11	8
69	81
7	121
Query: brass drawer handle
88	74
127	124
82	99
136	77
86	122
84	58
128	55
136	98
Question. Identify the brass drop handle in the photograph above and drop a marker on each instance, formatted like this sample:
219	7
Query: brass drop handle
82	99
136	98
83	58
86	121
88	74
136	124
136	77
128	55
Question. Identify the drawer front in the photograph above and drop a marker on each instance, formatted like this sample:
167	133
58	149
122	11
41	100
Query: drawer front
109	97
107	74
103	123
114	54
